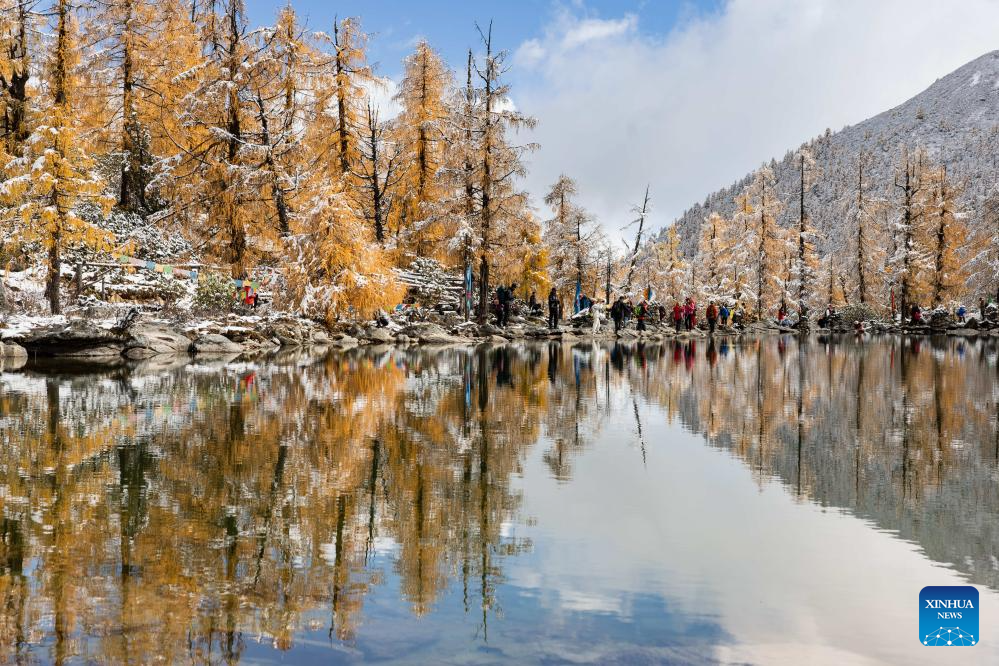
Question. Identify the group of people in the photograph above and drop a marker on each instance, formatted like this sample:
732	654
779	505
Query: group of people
683	316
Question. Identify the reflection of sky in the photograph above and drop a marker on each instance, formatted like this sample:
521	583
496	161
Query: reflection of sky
786	581
685	560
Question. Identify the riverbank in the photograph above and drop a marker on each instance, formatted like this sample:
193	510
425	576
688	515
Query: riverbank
106	337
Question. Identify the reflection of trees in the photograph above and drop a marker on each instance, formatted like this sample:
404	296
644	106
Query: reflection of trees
901	432
180	513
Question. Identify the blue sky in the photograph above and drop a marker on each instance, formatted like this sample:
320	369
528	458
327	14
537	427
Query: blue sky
449	26
687	96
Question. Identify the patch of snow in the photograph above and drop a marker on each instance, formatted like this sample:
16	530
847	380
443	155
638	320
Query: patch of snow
976	77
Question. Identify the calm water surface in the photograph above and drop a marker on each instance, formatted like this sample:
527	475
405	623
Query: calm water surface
757	502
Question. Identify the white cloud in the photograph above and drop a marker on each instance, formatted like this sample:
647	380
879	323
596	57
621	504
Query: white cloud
381	92
694	110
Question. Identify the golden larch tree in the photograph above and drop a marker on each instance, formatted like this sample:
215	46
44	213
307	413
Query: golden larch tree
46	186
422	130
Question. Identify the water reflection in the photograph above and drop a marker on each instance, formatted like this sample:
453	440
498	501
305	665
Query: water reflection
189	512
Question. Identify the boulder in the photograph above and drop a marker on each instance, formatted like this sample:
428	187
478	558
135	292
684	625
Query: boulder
213	343
12	350
490	329
9	363
78	338
343	342
378	335
145	340
497	340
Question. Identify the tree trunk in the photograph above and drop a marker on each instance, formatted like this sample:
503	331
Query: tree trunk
638	241
55	266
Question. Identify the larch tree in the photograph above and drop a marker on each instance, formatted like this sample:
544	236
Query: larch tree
985	240
422	129
45	187
281	105
18	21
804	268
344	106
673	268
569	237
767	240
499	161
713	258
947	235
910	260
378	174
739	241
864	248
125	29
208	180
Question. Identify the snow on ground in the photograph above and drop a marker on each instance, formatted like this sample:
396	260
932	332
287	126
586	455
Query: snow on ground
19	325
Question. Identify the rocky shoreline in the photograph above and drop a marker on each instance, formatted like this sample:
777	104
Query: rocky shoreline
84	339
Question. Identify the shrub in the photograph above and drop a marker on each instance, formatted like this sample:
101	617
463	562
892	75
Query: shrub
214	295
858	312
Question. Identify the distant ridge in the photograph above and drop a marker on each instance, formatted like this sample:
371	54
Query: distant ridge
956	120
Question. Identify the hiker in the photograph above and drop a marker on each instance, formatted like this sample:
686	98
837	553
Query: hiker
723	315
712	316
782	315
981	309
690	314
596	310
642	313
661	310
532	303
917	314
617	313
497	304
553	309
629	310
961	313
677	315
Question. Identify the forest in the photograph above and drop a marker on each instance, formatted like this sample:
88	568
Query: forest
263	151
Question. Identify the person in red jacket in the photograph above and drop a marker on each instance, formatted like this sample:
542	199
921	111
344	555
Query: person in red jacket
677	315
690	314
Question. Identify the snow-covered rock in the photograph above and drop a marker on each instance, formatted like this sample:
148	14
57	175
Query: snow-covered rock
145	340
73	337
213	343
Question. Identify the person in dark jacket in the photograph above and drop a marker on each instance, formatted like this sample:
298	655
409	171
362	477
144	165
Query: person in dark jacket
642	314
617	313
554	307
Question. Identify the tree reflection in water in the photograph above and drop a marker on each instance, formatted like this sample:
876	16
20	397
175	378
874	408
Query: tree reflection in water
176	511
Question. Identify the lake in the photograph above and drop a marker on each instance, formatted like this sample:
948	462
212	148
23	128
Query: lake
758	501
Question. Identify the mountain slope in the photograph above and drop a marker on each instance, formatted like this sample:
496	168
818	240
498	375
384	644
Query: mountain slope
956	120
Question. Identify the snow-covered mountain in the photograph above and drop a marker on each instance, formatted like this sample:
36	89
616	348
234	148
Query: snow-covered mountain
956	120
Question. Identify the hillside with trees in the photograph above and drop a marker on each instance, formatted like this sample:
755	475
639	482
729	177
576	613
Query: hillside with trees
902	203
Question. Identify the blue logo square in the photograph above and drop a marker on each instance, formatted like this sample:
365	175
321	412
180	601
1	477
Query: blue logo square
948	616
